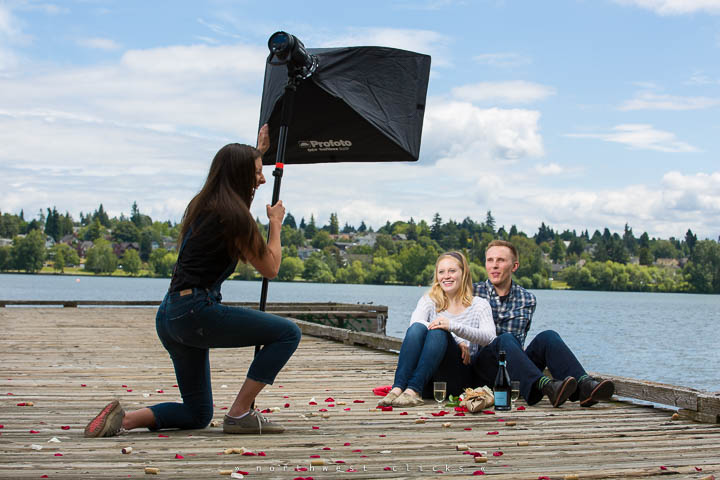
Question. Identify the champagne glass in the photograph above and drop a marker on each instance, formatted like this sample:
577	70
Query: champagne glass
515	392
439	391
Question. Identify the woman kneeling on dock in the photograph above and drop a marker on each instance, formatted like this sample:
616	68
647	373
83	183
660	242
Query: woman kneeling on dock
445	330
217	231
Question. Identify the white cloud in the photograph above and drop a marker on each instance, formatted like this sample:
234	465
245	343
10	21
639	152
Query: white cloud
421	41
99	43
461	132
675	7
549	169
503	59
642	137
652	101
513	92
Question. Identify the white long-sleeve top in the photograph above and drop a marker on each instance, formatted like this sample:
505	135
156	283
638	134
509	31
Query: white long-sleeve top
473	326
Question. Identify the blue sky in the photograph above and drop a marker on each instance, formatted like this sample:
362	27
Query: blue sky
579	114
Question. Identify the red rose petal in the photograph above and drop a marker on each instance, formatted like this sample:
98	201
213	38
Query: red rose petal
58	454
698	469
178	456
285	396
34	431
287	405
315	428
346	444
497	454
2	426
331	404
123	386
339	461
363	456
65	427
262	454
459	414
492	433
323	410
387	408
243	473
468	428
383	435
521	407
160	390
327	448
10	393
403	413
357	451
249	454
83	385
44	476
351	470
478	472
163	436
543	478
329	399
488	412
175	386
439	471
314	456
461	409
663	468
312	403
358	401
129	389
387	469
347	409
21	404
300	469
267	410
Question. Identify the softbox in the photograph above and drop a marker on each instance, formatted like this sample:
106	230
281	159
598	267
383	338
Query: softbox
362	104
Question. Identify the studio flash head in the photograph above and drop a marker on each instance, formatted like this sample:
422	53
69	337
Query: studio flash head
288	49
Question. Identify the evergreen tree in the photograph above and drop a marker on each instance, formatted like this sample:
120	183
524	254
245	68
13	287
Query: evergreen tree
412	230
690	240
102	216
629	240
436	227
334	225
557	254
302	225
362	228
348	228
513	231
490	221
311	229
290	221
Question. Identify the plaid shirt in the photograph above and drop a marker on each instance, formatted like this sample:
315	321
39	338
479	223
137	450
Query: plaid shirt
512	316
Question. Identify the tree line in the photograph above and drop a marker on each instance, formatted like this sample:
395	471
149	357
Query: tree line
401	252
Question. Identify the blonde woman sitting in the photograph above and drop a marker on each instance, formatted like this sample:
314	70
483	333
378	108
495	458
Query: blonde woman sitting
445	330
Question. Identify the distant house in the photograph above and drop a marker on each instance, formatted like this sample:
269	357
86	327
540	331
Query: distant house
169	244
49	241
69	239
368	239
399	237
83	247
120	248
667	262
5	242
305	252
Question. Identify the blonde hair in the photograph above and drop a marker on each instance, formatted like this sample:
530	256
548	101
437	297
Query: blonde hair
438	295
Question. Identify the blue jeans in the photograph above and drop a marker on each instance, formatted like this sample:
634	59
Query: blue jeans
428	356
188	326
546	350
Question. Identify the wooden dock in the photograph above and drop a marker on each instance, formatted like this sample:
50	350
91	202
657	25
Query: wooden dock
69	362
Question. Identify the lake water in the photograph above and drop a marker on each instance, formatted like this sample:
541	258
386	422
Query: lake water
663	337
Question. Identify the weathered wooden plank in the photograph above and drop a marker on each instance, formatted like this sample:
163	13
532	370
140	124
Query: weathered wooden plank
47	354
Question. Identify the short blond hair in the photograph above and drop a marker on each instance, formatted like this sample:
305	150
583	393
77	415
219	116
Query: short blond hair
503	243
438	295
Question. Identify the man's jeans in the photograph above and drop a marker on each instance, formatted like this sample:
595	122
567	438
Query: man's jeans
546	350
188	326
428	356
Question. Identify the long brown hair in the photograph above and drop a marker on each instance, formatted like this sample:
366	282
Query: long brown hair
228	192
438	295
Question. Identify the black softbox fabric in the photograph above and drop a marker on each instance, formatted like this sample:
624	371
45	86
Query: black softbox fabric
362	104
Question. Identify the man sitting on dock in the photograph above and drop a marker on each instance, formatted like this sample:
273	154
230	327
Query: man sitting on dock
513	308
